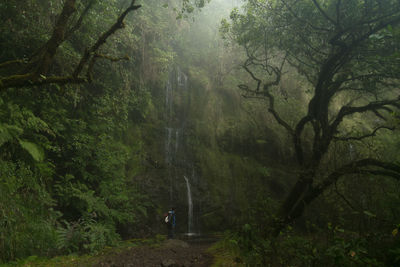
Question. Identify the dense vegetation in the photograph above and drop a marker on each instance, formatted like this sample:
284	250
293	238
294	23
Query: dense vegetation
283	118
346	54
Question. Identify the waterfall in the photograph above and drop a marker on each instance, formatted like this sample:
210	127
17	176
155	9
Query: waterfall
190	206
168	158
177	158
168	153
351	151
168	138
168	99
182	79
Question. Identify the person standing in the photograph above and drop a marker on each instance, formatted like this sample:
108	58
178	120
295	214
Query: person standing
171	223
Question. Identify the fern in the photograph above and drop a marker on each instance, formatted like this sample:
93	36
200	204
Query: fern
34	150
8	133
62	237
69	238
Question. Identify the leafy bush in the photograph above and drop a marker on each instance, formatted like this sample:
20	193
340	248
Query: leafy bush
329	247
27	217
85	235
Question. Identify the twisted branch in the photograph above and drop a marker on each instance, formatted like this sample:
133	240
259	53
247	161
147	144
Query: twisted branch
38	67
359	138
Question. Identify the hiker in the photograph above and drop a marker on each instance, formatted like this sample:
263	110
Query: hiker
171	222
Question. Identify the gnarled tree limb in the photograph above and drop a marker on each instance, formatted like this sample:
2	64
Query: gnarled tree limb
38	67
119	24
264	93
359	138
364	166
359	166
373	106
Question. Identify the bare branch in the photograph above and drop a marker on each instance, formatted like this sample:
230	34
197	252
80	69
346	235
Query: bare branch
378	76
36	72
359	138
277	71
357	167
253	77
119	24
373	106
360	166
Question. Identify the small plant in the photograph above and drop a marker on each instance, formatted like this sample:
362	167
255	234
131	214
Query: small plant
85	235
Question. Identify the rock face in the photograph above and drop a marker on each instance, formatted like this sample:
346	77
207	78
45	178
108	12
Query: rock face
205	152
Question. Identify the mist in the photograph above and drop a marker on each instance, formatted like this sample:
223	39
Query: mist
199	133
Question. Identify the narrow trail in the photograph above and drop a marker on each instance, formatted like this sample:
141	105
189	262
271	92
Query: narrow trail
171	253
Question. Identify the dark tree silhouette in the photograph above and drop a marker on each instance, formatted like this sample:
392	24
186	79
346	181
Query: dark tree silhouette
348	51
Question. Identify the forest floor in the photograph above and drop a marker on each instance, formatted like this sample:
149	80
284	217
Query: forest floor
170	253
136	253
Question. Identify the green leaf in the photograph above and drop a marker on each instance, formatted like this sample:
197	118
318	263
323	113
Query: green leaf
33	149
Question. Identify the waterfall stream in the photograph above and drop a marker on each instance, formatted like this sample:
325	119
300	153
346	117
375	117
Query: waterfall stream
190	206
177	158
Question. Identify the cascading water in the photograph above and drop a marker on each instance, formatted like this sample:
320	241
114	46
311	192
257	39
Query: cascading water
168	99
177	158
168	158
190	206
351	151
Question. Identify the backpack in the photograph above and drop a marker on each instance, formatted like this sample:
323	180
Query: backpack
167	218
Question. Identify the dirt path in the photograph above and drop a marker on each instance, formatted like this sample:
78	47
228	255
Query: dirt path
171	253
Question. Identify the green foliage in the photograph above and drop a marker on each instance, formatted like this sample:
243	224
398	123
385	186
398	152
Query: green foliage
325	248
28	218
76	161
85	236
34	150
64	187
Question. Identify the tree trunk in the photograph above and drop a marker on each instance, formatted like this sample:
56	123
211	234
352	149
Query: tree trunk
293	206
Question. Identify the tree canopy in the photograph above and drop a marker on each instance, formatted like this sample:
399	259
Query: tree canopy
348	52
278	127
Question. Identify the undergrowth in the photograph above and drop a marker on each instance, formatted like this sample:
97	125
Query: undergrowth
333	246
92	259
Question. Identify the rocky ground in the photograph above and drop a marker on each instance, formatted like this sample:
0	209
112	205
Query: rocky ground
171	253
